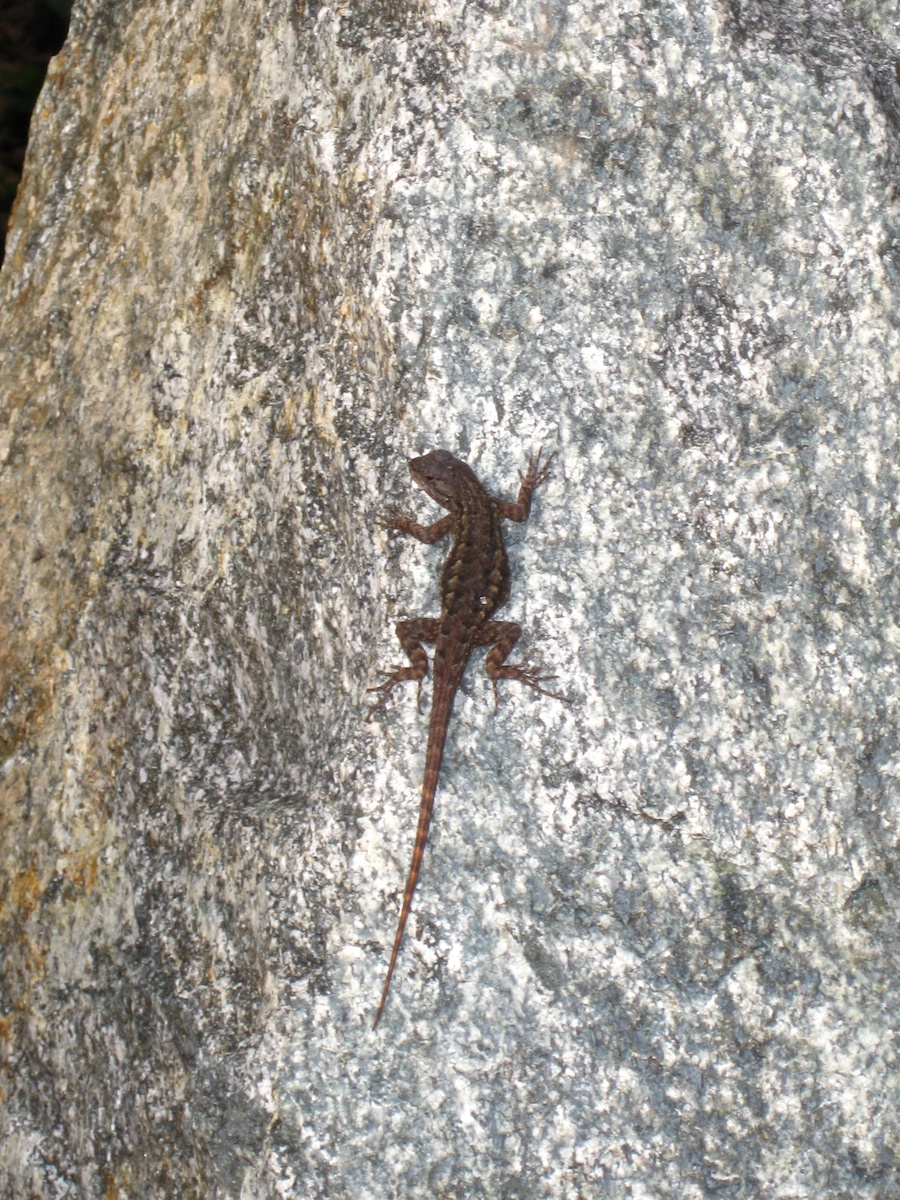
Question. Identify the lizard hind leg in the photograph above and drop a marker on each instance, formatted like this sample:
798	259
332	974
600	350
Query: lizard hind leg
501	636
412	635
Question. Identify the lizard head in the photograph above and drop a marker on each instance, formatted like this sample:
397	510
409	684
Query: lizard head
440	475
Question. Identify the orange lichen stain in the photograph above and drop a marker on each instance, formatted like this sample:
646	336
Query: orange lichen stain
114	1191
83	873
31	962
293	414
28	682
27	888
25	891
118	1183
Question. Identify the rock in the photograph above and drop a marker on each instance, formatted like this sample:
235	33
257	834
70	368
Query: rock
261	255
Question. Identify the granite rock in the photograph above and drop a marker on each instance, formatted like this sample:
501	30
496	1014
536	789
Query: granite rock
262	254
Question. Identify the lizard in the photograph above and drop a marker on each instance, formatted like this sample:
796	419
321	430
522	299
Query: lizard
475	582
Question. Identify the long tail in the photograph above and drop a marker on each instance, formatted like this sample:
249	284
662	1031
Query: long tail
441	708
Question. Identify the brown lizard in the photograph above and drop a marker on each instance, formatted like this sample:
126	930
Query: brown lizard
474	584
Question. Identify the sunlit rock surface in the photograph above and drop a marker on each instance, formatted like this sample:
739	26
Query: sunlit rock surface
263	254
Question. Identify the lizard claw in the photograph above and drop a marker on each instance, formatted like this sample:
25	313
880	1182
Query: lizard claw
534	681
537	474
394	676
383	690
373	709
530	677
392	520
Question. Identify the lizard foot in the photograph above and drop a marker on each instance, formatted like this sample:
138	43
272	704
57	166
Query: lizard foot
394	676
536	474
527	675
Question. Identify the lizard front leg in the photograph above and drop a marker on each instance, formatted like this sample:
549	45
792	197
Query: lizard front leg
535	474
396	522
412	635
501	636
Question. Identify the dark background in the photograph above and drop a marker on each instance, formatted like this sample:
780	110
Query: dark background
31	32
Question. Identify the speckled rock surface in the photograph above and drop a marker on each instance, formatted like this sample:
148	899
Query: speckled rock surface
261	255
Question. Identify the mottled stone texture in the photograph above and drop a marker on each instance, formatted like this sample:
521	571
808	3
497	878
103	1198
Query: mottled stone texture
261	254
